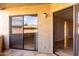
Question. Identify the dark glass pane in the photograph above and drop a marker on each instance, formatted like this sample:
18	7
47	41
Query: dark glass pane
77	30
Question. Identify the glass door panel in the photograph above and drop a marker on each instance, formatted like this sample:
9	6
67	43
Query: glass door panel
16	35
76	34
30	32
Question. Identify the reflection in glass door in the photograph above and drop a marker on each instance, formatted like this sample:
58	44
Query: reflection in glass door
30	32
76	30
16	32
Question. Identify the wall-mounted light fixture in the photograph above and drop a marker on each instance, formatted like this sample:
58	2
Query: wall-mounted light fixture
45	15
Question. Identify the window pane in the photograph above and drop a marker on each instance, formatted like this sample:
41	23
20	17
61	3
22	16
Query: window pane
17	21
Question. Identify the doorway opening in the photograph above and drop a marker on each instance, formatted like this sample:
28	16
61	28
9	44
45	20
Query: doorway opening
23	32
63	32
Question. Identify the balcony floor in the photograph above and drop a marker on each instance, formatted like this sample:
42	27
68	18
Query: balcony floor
16	52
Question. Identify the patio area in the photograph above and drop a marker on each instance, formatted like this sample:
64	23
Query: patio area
16	52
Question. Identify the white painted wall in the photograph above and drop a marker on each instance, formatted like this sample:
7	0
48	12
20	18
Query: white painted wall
4	27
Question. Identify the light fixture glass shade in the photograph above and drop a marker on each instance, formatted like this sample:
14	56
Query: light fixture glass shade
44	15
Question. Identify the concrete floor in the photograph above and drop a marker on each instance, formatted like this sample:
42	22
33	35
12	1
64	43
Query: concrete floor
16	52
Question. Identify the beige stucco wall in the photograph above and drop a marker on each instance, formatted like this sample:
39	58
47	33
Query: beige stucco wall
45	25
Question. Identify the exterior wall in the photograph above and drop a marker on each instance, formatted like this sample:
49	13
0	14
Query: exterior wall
45	27
4	27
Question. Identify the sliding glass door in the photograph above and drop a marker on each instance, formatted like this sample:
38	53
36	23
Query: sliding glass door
16	32
76	30
23	32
